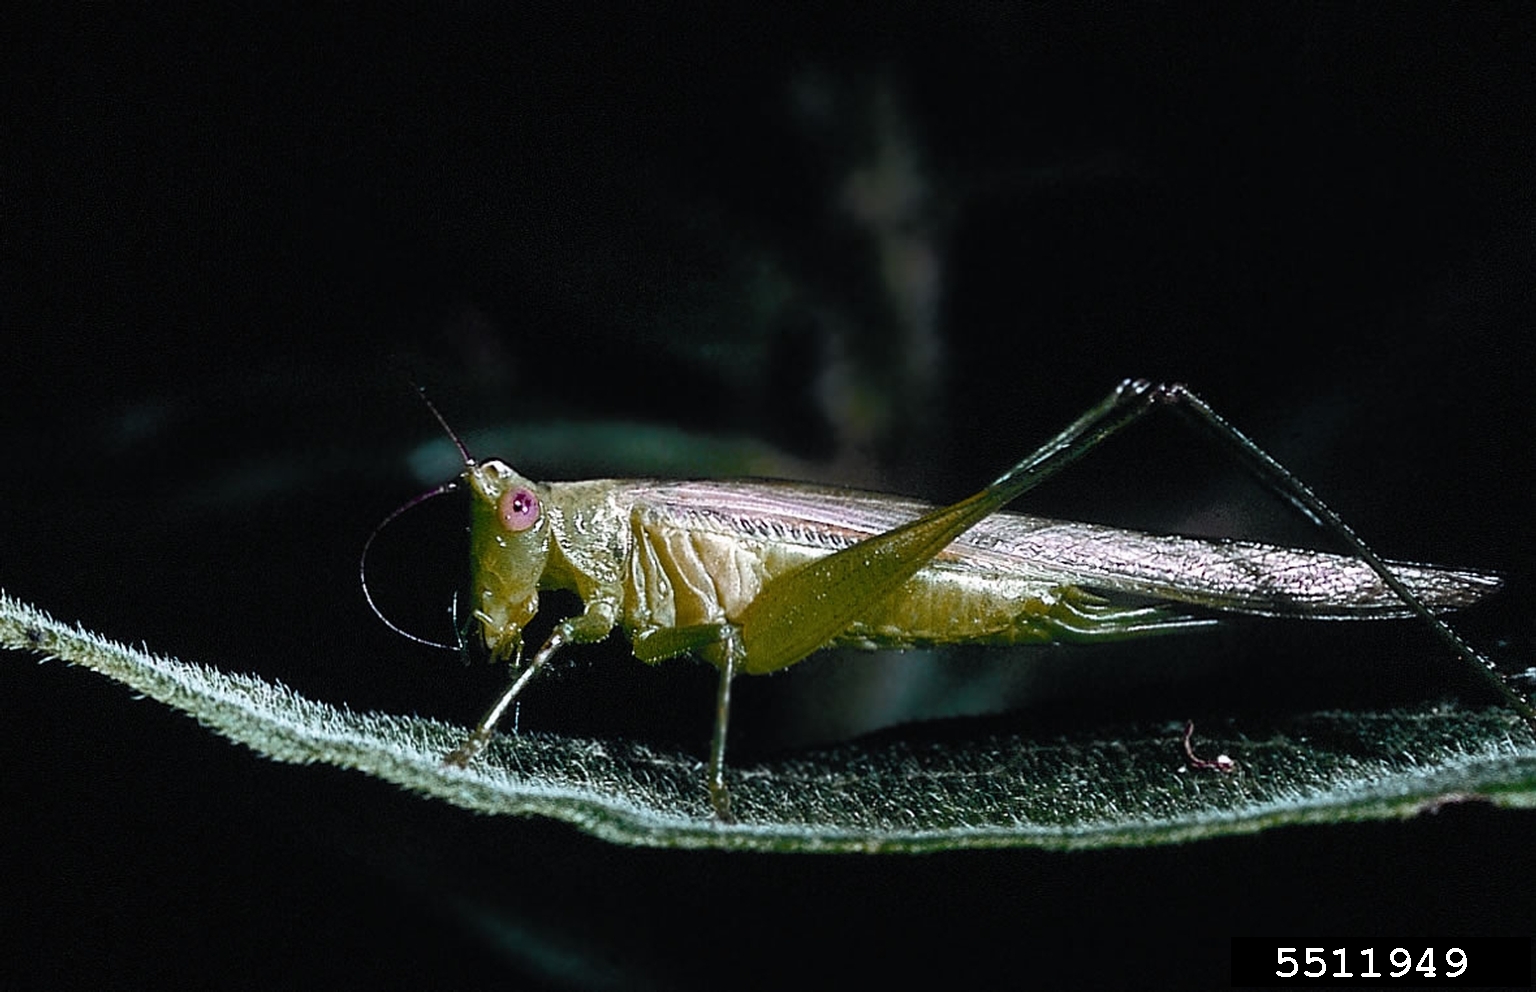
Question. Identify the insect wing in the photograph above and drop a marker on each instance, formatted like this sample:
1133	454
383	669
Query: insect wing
1232	576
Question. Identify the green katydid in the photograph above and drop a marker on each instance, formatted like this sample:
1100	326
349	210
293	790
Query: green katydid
755	576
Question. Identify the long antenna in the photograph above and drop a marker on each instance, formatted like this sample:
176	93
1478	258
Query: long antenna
469	461
447	487
362	564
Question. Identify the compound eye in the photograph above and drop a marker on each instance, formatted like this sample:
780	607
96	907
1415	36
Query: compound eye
519	509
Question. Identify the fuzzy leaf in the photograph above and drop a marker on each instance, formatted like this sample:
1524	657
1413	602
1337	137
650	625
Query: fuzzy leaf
885	794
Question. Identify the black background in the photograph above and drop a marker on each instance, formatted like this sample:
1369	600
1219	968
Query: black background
230	238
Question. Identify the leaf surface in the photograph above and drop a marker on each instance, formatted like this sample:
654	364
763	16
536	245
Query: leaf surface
888	793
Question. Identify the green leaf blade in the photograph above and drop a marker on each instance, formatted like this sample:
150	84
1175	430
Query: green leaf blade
910	792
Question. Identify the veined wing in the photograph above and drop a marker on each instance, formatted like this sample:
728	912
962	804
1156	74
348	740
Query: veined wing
1234	576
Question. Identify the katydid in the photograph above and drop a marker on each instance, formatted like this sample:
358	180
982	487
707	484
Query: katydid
755	576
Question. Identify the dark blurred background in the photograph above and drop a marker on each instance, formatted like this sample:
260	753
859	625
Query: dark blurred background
893	249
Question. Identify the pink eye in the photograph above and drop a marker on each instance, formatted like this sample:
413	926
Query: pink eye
519	509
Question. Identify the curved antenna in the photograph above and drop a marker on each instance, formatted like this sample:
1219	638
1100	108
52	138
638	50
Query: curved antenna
362	563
